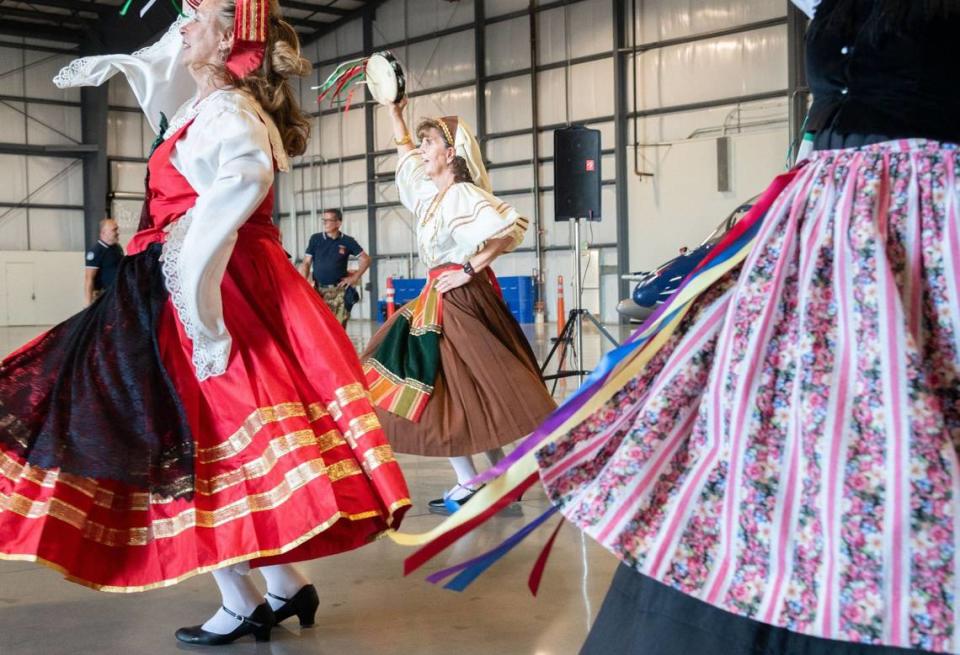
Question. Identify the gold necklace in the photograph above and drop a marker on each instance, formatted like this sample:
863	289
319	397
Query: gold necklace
431	245
432	209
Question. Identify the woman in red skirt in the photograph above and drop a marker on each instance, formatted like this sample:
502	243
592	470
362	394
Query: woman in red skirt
171	428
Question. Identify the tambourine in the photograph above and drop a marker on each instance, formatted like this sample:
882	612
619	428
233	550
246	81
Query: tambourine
381	72
385	78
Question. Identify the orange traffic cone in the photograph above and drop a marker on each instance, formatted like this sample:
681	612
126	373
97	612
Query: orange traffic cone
391	307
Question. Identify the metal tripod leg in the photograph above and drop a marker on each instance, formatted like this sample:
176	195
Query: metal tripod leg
563	342
603	330
563	338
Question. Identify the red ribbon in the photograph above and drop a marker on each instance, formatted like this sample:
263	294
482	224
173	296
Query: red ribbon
349	100
432	549
346	77
756	213
536	574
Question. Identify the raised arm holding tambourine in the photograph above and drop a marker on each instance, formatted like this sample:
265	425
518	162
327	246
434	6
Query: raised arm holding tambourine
452	374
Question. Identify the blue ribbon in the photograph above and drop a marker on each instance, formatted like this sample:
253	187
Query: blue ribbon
472	569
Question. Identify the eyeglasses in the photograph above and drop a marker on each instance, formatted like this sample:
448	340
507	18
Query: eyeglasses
330	220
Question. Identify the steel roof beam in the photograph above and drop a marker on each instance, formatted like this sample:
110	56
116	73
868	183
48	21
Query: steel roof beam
73	5
309	6
36	31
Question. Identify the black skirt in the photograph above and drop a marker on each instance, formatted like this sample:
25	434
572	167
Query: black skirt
91	396
644	617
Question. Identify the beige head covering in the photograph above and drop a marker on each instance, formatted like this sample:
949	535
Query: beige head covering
458	133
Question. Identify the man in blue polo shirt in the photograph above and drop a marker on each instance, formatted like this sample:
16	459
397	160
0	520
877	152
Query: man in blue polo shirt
102	261
328	252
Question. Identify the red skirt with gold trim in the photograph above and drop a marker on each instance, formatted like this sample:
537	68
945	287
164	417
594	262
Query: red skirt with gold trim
289	460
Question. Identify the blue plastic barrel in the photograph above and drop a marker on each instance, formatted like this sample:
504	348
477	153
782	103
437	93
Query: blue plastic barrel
518	293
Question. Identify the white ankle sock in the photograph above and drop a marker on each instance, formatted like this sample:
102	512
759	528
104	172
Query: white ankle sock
238	594
494	455
466	471
464	468
284	580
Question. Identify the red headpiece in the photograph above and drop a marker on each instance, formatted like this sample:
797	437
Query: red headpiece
249	36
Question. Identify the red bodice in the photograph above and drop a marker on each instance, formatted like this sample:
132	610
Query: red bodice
169	196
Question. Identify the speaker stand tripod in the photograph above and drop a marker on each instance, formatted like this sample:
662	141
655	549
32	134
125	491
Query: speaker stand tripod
572	332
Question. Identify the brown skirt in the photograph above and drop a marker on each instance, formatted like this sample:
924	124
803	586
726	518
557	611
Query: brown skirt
488	392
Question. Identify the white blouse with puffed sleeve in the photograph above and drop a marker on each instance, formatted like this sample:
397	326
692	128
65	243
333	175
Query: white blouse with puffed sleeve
228	155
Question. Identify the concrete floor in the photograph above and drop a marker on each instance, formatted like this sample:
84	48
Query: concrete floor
367	606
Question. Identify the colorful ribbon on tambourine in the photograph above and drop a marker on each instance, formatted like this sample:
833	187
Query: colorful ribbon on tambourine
349	73
126	7
516	473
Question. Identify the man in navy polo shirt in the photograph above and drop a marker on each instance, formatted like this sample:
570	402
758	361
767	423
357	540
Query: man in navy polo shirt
328	252
102	261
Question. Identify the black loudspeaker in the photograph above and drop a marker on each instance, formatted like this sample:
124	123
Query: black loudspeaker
576	173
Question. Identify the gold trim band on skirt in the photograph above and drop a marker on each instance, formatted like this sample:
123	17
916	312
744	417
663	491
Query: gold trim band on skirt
140	501
253	424
294	480
169	582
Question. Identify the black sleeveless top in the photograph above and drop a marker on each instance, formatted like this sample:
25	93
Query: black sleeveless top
898	85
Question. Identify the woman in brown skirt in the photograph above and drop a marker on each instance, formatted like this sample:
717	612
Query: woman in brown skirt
451	373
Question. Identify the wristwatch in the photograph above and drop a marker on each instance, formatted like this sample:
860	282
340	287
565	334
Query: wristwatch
468	269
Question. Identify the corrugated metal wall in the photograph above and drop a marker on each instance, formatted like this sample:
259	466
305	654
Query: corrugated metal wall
743	55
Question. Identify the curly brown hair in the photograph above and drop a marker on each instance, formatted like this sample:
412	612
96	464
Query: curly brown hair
461	172
270	85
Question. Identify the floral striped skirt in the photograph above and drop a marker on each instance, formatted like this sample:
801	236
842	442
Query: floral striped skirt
791	454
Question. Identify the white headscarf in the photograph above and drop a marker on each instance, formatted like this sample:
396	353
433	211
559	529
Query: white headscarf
457	132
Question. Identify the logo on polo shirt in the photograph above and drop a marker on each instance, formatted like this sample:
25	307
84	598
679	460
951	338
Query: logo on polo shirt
90	256
343	250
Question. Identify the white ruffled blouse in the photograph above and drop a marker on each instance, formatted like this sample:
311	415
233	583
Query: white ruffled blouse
228	156
453	227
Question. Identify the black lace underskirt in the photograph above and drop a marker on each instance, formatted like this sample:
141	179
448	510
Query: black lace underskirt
91	396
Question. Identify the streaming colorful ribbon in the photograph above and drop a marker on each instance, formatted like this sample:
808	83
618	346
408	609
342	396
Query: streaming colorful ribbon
519	471
126	7
347	74
472	569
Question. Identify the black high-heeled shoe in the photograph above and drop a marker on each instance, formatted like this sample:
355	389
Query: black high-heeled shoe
304	604
258	624
446	506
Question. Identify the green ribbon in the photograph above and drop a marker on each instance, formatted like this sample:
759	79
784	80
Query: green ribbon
126	7
337	73
164	124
